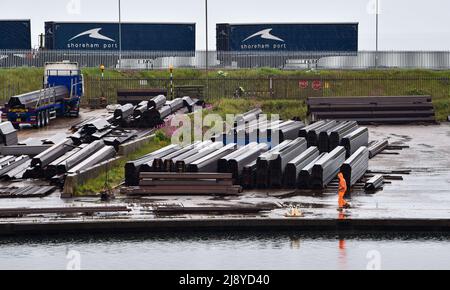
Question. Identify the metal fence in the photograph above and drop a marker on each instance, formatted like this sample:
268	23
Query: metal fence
436	60
277	87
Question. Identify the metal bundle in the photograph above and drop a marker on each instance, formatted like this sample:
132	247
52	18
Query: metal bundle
312	137
170	163
52	153
135	96
237	164
304	176
33	99
104	154
8	134
252	115
377	147
132	168
327	168
209	163
356	139
375	183
123	112
294	167
356	166
80	156
185	184
330	139
5	169
248	178
223	162
278	165
338	133
374	109
304	131
157	102
263	163
182	164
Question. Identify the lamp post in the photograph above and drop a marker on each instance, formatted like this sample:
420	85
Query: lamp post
120	34
207	48
376	32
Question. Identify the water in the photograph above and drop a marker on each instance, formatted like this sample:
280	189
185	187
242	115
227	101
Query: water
244	251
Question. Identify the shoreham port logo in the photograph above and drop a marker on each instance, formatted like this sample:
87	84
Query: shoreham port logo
265	34
94	34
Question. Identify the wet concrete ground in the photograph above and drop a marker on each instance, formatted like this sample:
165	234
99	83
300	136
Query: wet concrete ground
424	194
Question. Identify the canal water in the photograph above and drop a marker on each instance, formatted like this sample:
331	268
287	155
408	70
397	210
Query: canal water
244	251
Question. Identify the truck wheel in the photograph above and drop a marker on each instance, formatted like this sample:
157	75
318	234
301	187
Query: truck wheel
39	120
46	118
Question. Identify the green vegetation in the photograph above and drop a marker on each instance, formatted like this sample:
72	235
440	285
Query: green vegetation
285	94
116	174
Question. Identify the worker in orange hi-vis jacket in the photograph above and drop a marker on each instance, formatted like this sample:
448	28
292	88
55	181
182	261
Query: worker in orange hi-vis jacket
342	191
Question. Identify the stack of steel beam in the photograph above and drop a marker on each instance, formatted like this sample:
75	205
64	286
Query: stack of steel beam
379	110
327	168
13	164
209	163
250	116
182	164
223	162
338	133
312	135
329	140
157	183
26	192
263	164
8	134
278	165
286	131
356	166
304	131
238	162
80	156
355	140
136	96
53	153
294	167
374	183
248	177
104	154
377	147
132	168
304	176
187	152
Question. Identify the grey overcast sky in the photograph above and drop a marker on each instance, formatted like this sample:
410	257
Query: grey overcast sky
404	24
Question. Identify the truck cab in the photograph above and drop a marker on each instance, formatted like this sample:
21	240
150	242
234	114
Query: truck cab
60	96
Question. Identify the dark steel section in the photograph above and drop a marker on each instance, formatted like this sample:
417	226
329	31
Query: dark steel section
278	165
104	154
375	183
378	110
377	147
209	163
132	168
304	177
294	167
353	141
327	168
51	154
356	166
135	96
239	163
80	156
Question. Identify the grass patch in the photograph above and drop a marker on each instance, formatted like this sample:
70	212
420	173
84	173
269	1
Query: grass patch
116	174
286	108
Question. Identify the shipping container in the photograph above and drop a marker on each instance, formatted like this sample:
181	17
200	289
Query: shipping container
307	37
15	34
105	36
